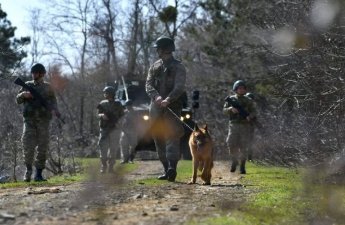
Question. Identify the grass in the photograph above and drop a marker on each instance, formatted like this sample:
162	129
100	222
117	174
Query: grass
281	196
90	166
277	201
278	195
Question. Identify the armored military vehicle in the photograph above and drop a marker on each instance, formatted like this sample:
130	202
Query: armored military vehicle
134	90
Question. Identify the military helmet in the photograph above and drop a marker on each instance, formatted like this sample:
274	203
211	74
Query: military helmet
237	84
129	102
250	95
38	68
110	90
165	43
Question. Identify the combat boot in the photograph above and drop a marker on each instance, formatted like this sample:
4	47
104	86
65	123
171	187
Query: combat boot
233	165
171	173
111	168
250	157
103	166
28	173
124	161
164	176
111	165
38	175
131	158
243	167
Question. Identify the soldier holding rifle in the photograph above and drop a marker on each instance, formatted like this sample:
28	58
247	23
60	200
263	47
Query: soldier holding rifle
109	113
40	103
241	111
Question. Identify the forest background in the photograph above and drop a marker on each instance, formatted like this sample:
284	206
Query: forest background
290	53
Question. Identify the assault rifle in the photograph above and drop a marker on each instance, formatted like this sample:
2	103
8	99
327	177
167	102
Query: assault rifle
237	106
39	97
112	117
234	103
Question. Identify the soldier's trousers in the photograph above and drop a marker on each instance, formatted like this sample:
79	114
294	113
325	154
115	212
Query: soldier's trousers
167	131
128	142
35	135
238	139
109	144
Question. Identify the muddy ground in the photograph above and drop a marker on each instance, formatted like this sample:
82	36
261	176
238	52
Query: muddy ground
110	200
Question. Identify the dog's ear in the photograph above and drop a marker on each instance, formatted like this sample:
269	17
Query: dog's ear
206	129
196	128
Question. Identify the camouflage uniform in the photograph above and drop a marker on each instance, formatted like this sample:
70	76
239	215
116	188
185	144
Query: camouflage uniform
36	124
109	132
166	79
240	130
129	138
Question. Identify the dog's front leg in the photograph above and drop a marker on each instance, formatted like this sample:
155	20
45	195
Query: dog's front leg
206	172
195	171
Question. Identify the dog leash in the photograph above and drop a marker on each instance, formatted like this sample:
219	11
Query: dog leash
172	112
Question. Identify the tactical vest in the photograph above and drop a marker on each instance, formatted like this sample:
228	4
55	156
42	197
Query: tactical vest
165	80
244	102
113	110
33	107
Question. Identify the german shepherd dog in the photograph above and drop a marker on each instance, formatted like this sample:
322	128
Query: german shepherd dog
201	148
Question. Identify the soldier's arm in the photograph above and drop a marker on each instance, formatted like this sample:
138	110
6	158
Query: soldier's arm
150	84
100	111
22	96
252	109
228	109
121	110
52	100
179	85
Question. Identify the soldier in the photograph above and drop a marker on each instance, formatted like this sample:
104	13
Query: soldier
128	139
109	113
165	84
241	111
36	122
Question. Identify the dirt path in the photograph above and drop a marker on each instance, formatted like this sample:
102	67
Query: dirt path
105	201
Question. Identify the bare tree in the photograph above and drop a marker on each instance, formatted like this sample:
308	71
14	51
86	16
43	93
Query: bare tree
132	55
37	30
168	15
73	18
104	27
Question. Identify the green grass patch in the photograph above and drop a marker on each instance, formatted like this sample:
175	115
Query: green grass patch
52	181
221	220
88	168
275	198
282	196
